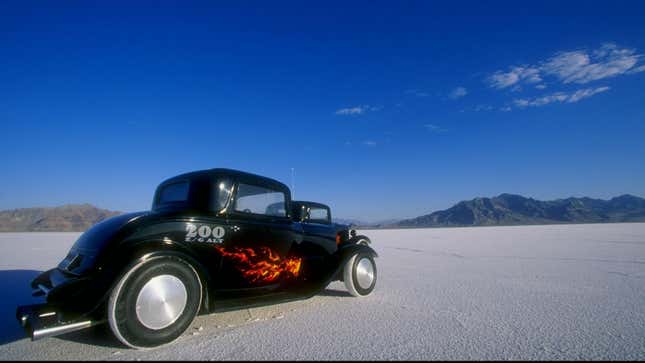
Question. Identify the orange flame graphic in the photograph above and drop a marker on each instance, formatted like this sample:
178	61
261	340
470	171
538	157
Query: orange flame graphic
261	265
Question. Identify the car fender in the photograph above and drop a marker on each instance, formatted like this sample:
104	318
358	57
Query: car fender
145	250
357	239
345	252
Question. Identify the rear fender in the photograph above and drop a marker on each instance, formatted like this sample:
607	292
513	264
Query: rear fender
146	250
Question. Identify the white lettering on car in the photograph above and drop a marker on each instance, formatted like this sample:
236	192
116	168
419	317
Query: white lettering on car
207	234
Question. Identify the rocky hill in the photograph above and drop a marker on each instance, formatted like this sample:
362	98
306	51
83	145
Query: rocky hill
67	218
510	209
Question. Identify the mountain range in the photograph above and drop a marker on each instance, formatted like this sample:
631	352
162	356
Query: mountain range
66	218
504	209
510	209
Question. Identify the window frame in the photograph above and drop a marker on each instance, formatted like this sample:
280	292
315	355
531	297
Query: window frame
318	221
232	202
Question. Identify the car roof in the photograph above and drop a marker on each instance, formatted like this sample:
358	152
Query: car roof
310	204
231	173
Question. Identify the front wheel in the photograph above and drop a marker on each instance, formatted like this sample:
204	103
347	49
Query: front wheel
154	302
359	274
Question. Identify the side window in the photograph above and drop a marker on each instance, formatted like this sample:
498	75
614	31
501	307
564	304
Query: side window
259	200
318	215
175	192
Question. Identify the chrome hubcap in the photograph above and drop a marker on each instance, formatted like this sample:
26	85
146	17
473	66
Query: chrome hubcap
364	273
161	301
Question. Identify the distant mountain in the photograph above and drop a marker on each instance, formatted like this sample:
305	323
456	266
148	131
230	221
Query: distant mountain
504	209
349	221
67	218
510	209
359	223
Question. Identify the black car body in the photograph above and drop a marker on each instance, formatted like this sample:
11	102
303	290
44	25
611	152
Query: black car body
317	223
215	240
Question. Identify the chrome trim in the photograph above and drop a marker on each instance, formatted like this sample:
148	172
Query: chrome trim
161	301
48	332
44	289
364	273
43	315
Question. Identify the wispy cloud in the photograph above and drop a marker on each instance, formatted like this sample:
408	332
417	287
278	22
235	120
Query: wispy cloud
560	97
637	69
356	110
480	108
369	143
514	76
578	66
416	92
458	92
434	128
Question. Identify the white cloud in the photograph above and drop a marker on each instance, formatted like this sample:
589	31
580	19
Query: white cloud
637	69
541	86
356	110
576	66
560	97
434	128
479	108
502	80
580	67
417	92
369	143
458	92
584	93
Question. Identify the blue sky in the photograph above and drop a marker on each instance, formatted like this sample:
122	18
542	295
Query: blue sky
383	109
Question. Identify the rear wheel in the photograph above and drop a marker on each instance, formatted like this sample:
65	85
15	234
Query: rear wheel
154	302
359	274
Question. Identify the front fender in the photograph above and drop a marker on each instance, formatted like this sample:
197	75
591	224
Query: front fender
360	239
345	252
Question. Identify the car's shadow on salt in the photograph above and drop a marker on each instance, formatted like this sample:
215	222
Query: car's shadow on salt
99	335
16	290
336	293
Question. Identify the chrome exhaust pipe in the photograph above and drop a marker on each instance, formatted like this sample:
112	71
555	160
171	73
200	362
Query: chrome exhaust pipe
62	329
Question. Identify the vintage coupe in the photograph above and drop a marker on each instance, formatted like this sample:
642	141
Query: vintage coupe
214	240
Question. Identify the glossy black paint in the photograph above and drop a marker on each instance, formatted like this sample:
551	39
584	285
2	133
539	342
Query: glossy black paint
79	287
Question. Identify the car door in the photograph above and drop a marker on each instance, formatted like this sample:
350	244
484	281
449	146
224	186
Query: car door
256	255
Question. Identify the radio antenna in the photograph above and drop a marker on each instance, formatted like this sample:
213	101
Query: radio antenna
293	190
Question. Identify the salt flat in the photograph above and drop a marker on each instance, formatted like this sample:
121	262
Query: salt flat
532	292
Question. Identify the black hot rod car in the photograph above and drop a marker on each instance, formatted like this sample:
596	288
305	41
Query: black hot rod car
214	240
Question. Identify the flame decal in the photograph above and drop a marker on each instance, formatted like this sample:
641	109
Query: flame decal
261	265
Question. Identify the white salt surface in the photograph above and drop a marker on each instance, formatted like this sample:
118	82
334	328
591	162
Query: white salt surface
535	292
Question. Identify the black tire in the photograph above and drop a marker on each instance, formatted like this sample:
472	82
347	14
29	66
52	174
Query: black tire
122	312
351	275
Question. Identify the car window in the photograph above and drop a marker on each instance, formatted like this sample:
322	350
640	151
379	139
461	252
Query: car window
175	192
222	190
318	215
260	200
